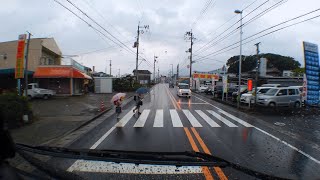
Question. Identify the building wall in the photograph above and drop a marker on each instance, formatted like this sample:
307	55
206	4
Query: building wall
36	52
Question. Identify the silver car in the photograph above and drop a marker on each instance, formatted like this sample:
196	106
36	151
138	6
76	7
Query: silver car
284	96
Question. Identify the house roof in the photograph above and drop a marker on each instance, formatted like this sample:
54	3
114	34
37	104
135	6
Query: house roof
143	71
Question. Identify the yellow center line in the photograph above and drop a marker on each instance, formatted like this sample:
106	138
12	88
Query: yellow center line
206	150
205	169
173	100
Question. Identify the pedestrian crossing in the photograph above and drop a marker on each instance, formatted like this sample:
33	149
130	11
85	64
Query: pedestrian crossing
181	118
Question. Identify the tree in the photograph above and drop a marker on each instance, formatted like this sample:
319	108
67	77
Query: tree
298	71
274	60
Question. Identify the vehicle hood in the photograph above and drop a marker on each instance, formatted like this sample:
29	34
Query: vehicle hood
264	96
246	95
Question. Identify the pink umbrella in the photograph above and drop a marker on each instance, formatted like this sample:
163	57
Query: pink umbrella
119	96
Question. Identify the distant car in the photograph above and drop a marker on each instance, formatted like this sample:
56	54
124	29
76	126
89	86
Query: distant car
183	90
35	92
249	97
208	91
202	88
243	89
171	85
283	96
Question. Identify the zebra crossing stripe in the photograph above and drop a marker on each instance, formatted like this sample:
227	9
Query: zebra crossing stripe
158	120
210	121
125	119
222	119
194	122
240	121
176	122
142	119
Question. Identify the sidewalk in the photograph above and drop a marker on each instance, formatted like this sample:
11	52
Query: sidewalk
58	116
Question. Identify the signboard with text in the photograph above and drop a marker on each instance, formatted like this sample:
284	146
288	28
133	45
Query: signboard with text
20	57
215	77
311	57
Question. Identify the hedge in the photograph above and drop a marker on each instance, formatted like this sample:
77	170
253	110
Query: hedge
14	107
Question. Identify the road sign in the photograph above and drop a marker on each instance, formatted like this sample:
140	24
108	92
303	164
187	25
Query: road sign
20	57
311	57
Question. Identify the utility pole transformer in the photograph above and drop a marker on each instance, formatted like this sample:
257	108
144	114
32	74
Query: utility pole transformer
257	72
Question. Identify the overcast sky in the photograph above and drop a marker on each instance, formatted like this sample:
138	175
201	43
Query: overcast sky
168	21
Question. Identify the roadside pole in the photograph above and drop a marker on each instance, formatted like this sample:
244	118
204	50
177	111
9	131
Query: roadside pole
257	73
26	65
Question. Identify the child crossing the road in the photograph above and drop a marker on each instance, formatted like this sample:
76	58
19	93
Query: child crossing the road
139	103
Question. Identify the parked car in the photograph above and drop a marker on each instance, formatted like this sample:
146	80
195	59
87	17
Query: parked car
208	91
250	96
243	89
283	96
171	85
270	85
202	88
183	90
218	91
35	92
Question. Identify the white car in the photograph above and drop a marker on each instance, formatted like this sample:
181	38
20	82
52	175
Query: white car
250	97
183	90
202	88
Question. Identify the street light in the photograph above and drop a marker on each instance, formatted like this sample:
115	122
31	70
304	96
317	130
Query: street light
171	71
240	59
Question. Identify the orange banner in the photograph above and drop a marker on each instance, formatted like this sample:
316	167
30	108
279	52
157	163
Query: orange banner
206	76
20	57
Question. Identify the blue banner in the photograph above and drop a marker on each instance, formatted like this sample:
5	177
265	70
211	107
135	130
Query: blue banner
311	57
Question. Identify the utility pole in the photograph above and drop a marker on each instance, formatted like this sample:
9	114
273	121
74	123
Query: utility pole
154	67
136	45
110	68
119	72
26	65
189	36
158	74
177	71
257	72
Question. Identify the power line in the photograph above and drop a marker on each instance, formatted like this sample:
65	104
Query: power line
203	12
219	51
99	25
230	26
245	24
101	16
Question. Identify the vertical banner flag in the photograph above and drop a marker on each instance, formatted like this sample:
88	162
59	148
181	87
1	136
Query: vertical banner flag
20	57
304	89
225	83
311	57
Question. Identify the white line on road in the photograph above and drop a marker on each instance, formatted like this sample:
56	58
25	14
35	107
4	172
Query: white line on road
176	122
235	118
125	119
274	137
222	119
191	118
210	121
158	120
142	119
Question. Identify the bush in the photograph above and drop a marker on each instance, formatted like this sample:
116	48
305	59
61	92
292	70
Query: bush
14	107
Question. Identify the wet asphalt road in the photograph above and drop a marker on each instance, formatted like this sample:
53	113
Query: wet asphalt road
170	124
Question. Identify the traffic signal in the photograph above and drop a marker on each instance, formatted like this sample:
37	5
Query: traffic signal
250	87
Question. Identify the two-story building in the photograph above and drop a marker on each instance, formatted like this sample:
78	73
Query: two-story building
44	67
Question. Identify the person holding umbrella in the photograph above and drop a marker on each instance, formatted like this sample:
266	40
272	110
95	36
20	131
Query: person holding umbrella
117	101
139	99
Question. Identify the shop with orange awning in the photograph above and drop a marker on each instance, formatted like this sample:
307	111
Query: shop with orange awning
63	79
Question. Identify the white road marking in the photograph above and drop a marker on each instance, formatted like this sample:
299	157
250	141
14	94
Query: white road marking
194	122
142	119
235	118
176	122
126	168
158	120
278	139
210	121
222	119
125	119
189	103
